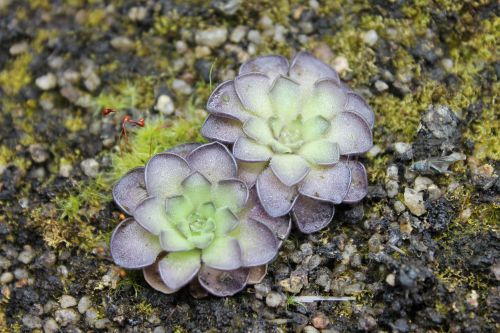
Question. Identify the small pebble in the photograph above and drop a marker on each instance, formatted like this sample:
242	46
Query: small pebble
340	64
447	64
399	207
414	201
84	304
92	81
238	34
392	188
274	299
137	14
212	37
67	301
21	273
90	167
390	279
101	323
370	37
181	87
159	329
122	43
31	321
381	86
254	36
50	326
66	316
320	320
26	255
18	48
65	170
261	290
310	329
6	277
164	105
46	82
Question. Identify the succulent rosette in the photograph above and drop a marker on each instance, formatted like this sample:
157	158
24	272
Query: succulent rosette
193	221
295	130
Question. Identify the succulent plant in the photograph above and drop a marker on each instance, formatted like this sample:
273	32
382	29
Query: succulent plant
193	221
294	130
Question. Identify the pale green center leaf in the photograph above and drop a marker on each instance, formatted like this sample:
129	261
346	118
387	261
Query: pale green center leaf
285	97
178	208
289	168
225	221
197	188
320	152
315	128
258	129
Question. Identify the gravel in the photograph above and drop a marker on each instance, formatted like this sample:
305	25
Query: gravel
212	37
274	299
90	167
46	82
67	301
164	105
414	201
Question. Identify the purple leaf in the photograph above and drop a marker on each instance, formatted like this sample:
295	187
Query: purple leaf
151	215
224	253
276	198
357	104
312	215
248	150
153	278
359	183
221	129
352	134
307	69
164	174
253	91
223	283
249	171
214	161
231	193
225	102
329	183
271	65
183	149
257	242
132	246
130	190
289	168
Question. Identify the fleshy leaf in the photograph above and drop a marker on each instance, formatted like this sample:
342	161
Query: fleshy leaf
179	268
276	198
221	129
281	226
231	193
285	98
213	161
202	241
225	102
248	150
225	221
329	183
249	171
257	274
257	242
327	100
221	282
130	190
352	134
178	208
253	91
359	183
307	69
132	246
312	215
258	129
314	128
151	215
320	152
173	241
271	65
197	188
164	174
153	278
207	210
357	104
224	253
289	168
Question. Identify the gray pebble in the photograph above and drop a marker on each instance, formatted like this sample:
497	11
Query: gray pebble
261	290
46	82
254	36
181	87
84	304
159	329
90	167
92	81
122	43
21	273
392	188
66	316
67	301
18	48
310	329
381	86
31	321
238	34
50	326
414	201
101	323
137	14
370	37
26	255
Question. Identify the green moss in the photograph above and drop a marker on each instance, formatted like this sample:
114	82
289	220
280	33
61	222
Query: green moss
16	74
156	136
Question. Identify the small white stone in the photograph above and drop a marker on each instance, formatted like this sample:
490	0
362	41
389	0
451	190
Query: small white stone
18	48
137	13
90	167
370	37
84	304
414	201
447	64
212	37
422	183
67	301
26	255
122	43
392	172
92	81
238	34
66	316
50	326
46	82
254	36
165	105
390	279
392	188
65	170
6	277
381	85
399	207
274	299
374	151
434	192
340	64
181	87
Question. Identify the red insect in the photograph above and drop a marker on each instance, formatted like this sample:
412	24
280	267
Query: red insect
126	120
